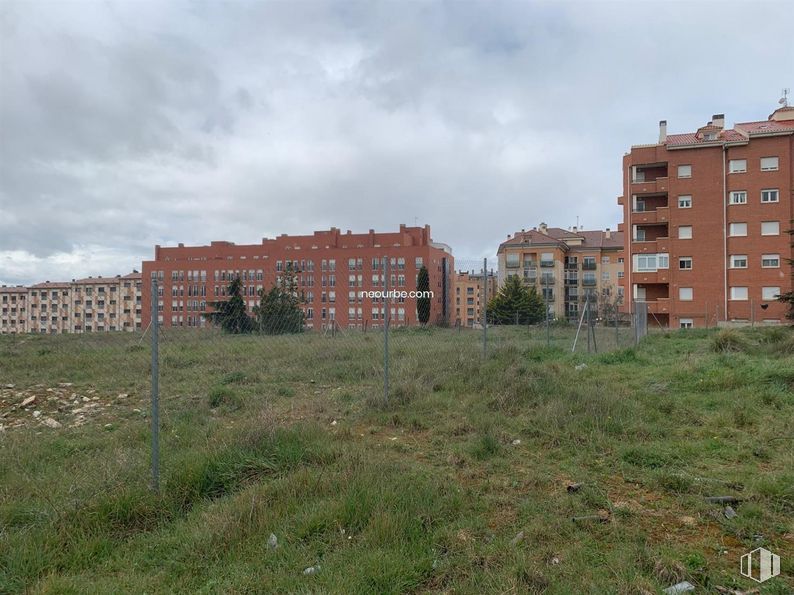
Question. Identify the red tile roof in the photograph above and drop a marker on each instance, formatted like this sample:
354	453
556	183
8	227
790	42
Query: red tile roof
590	240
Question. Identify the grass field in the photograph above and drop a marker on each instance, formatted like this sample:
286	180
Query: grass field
457	484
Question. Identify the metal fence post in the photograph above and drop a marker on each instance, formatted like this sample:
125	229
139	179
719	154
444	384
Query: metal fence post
484	307
386	330
546	296
154	327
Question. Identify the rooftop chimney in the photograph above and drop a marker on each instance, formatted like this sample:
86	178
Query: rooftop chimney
662	131
607	234
718	120
543	228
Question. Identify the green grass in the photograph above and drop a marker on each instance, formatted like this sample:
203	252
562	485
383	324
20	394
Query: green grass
424	492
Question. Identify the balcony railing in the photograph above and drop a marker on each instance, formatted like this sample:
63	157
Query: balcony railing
572	279
588	282
547	280
547	263
588	266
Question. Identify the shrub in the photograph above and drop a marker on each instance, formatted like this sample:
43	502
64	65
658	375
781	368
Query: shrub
728	340
222	395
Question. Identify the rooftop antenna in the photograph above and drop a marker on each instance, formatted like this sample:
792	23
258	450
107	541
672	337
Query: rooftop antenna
784	100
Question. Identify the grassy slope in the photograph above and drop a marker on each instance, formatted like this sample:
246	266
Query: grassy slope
424	494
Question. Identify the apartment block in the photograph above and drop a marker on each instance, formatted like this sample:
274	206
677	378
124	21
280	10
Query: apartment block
13	310
94	304
468	296
565	265
333	270
706	216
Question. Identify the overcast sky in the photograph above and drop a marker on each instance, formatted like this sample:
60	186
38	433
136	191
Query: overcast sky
129	124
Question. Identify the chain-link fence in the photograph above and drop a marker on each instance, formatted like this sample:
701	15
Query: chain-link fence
391	347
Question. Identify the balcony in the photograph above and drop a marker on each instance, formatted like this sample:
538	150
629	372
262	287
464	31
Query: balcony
589	265
589	282
547	280
660	244
653	187
546	263
571	279
656	216
658	276
659	306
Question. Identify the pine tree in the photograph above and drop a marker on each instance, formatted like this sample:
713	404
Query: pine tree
230	314
423	303
515	304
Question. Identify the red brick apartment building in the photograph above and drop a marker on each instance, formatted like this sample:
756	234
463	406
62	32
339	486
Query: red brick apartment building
706	216
333	271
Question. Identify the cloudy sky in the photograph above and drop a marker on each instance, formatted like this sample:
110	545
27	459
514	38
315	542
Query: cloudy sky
129	124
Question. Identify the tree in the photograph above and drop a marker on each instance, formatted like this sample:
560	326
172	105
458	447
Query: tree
230	314
279	309
516	304
423	303
788	296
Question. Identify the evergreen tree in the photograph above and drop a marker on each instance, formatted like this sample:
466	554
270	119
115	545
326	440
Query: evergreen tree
423	303
279	309
230	314
515	304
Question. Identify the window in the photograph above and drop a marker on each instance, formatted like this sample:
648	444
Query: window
640	233
770	195
739	293
650	263
684	171
769	294
685	294
737	229
685	263
770	261
686	323
769	163
737	166
685	202
770	228
738	261
738	197
685	232
511	260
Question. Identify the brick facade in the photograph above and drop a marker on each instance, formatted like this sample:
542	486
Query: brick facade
332	269
705	219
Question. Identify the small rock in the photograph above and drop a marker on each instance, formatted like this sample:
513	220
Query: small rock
108	426
683	587
10	385
272	541
689	521
729	513
580	367
517	539
51	423
37	414
65	384
573	487
123	396
86	399
312	569
555	560
333	423
516	442
28	401
136	410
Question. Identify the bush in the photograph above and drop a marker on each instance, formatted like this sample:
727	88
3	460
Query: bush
222	395
728	340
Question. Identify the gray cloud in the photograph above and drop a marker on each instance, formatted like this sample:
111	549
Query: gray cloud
123	125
